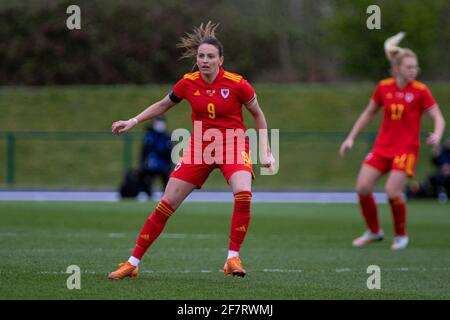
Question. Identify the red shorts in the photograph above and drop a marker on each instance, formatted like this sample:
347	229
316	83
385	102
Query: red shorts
405	162
198	173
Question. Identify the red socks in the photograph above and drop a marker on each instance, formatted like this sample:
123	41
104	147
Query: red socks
398	207
152	228
370	212
240	219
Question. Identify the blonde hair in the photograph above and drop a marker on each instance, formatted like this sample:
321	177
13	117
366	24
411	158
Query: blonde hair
394	53
200	35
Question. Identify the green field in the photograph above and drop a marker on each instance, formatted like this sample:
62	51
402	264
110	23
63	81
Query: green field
293	251
313	120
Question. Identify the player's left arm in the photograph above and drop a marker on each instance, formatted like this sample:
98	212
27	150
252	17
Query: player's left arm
435	114
261	126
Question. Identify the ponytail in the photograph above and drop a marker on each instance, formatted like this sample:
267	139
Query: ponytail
394	53
200	35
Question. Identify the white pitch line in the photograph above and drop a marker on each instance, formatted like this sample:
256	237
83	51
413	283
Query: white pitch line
8	234
403	269
116	235
344	270
279	270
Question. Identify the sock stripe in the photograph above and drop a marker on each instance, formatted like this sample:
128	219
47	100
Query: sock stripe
243	193
164	210
164	213
167	206
243	196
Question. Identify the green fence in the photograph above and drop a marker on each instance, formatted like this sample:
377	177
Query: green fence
308	160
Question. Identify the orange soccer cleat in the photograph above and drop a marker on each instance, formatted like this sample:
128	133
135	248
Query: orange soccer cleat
125	270
234	267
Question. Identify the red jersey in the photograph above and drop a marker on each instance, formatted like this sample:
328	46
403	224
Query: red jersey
217	105
403	109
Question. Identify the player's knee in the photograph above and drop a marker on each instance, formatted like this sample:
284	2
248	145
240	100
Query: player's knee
171	201
363	189
392	192
174	197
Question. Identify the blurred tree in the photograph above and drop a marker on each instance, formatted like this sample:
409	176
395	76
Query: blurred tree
362	50
438	61
125	41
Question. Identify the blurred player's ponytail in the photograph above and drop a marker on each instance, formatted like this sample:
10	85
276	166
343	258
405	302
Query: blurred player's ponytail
200	35
394	53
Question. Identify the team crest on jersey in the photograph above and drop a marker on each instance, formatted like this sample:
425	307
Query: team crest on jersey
409	97
225	92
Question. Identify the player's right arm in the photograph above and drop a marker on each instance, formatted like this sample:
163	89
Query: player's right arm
152	111
364	119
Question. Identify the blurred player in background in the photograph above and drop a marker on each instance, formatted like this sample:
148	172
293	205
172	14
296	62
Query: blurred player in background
217	98
440	181
155	155
396	149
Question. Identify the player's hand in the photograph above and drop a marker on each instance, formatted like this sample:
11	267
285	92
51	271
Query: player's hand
345	146
267	159
122	126
433	139
268	162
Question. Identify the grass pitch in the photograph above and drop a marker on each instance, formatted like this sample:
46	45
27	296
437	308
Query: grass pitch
292	251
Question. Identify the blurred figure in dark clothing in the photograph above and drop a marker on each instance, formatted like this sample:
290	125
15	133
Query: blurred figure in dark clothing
441	180
155	155
438	184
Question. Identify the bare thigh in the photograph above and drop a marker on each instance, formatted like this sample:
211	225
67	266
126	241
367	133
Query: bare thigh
395	184
367	178
241	181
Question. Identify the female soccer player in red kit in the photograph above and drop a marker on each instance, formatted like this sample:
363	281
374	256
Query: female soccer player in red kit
216	97
396	148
